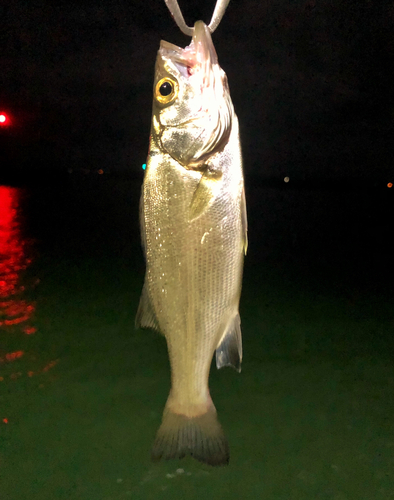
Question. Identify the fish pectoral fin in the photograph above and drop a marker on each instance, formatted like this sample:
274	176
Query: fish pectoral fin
145	317
205	193
229	350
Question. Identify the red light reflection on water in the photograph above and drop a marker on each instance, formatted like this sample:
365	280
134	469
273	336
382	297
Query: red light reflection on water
16	310
11	356
13	260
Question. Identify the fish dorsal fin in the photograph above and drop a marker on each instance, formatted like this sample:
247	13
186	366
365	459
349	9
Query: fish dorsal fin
142	224
229	350
244	219
145	317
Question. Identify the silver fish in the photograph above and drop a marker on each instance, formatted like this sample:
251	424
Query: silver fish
194	234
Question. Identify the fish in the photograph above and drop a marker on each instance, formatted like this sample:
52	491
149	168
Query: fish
194	236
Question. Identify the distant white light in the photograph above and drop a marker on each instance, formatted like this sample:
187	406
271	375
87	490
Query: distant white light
3	118
286	179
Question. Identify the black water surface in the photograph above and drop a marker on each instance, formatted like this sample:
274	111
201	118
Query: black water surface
81	391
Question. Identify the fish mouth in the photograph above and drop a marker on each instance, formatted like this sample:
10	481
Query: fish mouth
200	55
203	45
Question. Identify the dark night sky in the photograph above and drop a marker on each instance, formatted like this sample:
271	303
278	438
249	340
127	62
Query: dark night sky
310	80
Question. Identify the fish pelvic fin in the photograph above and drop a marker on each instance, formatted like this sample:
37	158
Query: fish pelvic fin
145	317
202	437
229	350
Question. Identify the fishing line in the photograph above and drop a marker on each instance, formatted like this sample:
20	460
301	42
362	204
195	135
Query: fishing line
176	13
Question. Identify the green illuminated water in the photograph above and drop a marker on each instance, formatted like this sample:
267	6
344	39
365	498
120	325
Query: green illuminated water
81	392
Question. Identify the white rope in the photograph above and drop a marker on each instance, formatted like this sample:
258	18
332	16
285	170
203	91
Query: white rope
176	13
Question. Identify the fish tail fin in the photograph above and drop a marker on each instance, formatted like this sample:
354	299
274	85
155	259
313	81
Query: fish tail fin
202	437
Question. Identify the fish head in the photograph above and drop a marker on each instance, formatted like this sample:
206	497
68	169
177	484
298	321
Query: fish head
192	108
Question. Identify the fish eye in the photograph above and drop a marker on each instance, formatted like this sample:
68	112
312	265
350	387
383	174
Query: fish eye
166	90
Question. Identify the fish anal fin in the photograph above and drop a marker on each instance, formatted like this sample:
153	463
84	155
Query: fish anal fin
229	350
202	437
145	317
